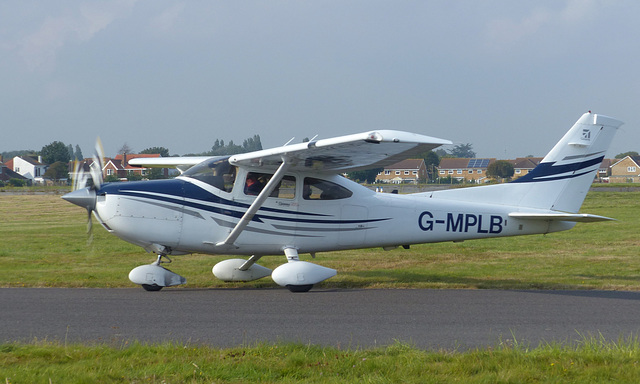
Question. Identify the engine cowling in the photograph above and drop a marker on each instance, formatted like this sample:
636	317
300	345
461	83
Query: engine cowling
301	273
229	270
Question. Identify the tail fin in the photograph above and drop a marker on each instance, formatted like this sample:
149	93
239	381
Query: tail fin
561	181
563	178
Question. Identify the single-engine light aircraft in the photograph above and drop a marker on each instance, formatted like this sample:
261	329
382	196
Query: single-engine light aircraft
293	200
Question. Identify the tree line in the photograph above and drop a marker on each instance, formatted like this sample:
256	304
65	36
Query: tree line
58	155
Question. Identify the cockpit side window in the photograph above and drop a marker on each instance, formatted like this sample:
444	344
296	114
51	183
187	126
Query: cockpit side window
216	172
317	189
255	183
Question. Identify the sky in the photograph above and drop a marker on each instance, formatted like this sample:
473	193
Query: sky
509	77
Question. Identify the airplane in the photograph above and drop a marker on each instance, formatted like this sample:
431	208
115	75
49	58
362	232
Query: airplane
293	200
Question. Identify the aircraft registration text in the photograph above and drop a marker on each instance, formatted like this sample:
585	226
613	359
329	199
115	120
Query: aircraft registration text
462	222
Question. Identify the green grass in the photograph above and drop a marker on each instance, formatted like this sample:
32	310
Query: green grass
593	360
45	245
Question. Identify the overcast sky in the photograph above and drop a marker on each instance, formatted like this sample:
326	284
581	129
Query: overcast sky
509	77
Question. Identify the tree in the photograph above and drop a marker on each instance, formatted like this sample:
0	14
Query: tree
625	154
441	153
252	144
55	151
500	169
463	150
78	153
366	176
125	149
155	173
431	161
134	177
249	145
164	152
24	152
17	182
57	171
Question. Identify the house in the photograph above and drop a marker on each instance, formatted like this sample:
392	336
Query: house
118	167
113	167
406	171
464	168
626	170
605	170
524	165
130	170
29	168
7	174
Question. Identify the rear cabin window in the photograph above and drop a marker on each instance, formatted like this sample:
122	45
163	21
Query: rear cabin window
317	189
255	183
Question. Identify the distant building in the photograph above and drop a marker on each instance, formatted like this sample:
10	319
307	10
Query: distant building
119	166
605	170
626	170
29	167
473	169
524	165
406	171
129	169
7	174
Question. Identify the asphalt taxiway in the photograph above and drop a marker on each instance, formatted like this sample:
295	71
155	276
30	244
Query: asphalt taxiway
431	319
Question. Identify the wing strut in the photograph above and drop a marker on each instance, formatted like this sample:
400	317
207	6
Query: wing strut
255	206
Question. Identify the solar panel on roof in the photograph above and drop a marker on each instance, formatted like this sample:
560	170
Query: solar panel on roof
478	163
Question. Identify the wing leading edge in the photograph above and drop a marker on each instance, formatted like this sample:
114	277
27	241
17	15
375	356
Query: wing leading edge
375	149
181	163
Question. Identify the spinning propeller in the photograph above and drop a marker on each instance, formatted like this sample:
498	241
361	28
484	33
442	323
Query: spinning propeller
82	195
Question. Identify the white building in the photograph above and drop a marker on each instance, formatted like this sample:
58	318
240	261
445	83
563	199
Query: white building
30	168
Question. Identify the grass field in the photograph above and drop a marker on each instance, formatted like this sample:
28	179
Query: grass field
590	361
45	245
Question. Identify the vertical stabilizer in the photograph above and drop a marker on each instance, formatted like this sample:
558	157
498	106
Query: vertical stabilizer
561	181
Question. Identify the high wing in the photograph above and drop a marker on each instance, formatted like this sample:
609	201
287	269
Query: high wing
181	163
375	149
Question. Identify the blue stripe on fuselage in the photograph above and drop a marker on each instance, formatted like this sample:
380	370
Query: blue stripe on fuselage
173	191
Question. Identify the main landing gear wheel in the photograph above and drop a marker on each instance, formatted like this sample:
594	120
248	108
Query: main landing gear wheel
151	287
299	288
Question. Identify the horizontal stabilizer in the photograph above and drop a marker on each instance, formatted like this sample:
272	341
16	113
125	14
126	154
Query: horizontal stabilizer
573	217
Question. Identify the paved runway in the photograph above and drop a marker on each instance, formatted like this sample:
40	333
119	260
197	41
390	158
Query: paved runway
429	319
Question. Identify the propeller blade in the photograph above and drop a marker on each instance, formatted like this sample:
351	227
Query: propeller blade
82	180
98	164
89	227
74	175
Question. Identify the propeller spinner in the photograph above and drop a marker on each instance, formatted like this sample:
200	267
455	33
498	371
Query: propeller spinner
82	195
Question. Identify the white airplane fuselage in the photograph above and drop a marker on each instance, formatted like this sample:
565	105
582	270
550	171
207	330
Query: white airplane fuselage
187	215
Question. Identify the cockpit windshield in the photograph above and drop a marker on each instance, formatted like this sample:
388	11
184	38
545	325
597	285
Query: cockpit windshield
216	172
